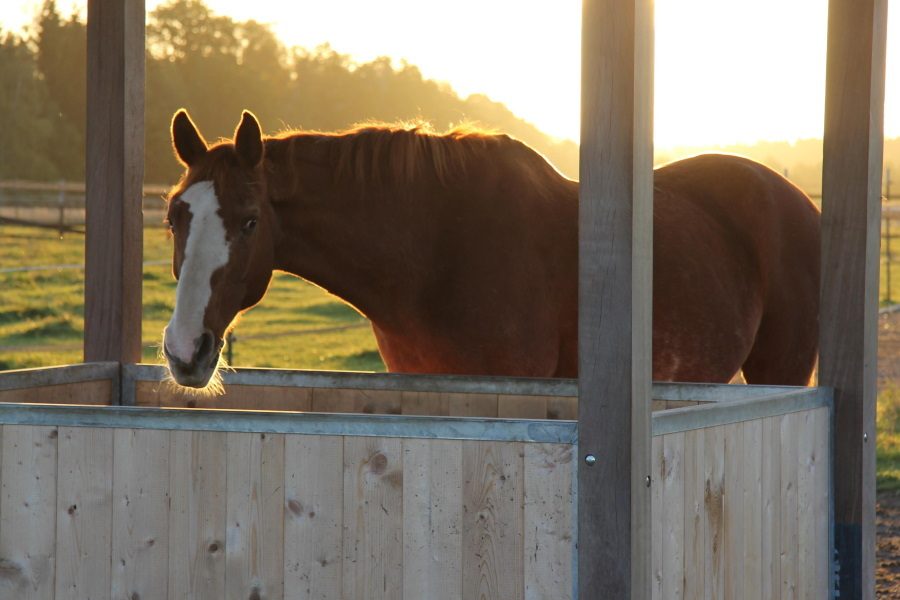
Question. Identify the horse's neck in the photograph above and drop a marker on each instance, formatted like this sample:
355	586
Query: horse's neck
371	250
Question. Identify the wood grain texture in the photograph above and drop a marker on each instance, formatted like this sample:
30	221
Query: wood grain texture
733	509
771	507
790	546
254	542
548	518
113	180
432	519
197	471
373	519
245	397
27	511
140	518
851	205
656	514
84	392
84	513
752	509
714	511
694	511
615	289
672	509
379	402
313	517
522	407
493	489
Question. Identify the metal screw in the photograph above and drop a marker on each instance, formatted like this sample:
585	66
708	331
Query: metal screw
590	460
865	437
648	481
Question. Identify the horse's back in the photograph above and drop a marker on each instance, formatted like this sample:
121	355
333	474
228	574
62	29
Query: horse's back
736	273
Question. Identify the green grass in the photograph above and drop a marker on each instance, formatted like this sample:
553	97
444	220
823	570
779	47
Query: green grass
888	439
42	312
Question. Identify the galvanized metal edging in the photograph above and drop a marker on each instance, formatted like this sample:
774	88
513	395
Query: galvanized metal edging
45	376
401	426
723	413
517	386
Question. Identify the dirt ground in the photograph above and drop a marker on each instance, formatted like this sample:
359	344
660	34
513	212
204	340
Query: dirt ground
888	510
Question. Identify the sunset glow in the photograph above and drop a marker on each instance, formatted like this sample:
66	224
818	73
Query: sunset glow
726	70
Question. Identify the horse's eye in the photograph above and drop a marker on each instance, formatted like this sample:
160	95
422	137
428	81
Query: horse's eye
248	226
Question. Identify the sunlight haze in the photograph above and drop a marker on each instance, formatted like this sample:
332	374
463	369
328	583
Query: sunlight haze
727	71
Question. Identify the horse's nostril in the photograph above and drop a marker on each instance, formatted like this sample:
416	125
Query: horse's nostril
205	346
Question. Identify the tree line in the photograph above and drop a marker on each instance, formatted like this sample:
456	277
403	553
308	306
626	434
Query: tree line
215	66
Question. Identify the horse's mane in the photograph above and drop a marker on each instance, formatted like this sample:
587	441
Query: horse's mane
383	154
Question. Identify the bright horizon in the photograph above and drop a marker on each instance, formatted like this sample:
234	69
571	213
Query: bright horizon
727	71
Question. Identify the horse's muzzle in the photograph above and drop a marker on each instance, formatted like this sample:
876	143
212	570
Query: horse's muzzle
196	372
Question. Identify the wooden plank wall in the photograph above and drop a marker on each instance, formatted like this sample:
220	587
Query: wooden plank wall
98	392
140	514
738	511
742	511
391	402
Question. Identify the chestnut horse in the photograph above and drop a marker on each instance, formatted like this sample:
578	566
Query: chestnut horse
462	250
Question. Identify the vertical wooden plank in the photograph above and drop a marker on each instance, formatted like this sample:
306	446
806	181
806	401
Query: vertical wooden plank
615	290
752	522
851	204
140	515
694	509
733	542
658	475
714	511
673	517
27	527
521	407
548	521
382	402
197	515
822	505
472	405
432	519
313	493
254	532
789	507
84	513
373	519
806	528
562	408
113	180
492	561
424	403
771	506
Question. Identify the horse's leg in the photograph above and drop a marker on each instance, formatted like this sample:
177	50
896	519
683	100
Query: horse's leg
785	349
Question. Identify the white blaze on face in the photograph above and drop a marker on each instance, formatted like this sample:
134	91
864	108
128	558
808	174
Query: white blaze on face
206	250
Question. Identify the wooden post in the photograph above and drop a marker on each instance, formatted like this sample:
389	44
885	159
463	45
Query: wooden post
114	176
851	206
615	245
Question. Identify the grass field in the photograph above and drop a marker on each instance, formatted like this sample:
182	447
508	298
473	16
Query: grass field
42	312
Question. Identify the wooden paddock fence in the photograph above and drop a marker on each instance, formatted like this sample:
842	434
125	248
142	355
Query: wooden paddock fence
436	487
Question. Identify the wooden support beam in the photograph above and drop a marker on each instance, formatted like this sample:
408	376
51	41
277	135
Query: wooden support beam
851	205
615	245
114	176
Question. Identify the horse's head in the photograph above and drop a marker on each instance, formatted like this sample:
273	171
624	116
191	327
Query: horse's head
221	222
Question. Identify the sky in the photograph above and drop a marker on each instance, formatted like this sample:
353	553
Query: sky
727	71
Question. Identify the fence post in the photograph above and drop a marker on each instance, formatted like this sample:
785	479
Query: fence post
886	215
61	207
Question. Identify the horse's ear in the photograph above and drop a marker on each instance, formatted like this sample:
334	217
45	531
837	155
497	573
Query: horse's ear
248	140
189	144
